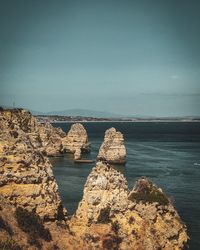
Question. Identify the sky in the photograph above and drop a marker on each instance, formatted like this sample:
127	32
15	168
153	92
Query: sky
125	57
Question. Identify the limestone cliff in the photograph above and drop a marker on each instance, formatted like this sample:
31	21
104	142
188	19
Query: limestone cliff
43	137
21	229
31	212
112	149
76	141
111	217
26	177
46	138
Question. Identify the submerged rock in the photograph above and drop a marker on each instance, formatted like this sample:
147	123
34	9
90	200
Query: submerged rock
76	141
142	218
113	149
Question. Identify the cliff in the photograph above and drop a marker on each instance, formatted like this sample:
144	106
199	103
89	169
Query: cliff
109	216
46	138
113	149
112	217
31	212
26	176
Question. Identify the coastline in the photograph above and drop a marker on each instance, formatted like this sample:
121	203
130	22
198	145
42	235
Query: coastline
141	121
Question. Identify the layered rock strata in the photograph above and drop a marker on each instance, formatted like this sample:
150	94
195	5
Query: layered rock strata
76	141
112	149
46	138
109	216
112	217
26	177
31	212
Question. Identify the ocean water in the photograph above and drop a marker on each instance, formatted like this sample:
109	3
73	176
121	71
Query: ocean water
167	153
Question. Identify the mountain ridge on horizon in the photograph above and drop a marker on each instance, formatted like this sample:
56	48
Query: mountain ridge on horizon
104	114
98	114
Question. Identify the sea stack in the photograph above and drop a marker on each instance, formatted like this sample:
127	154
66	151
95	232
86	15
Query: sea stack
112	149
112	217
76	141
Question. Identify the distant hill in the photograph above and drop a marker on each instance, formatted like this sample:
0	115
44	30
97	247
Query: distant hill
84	113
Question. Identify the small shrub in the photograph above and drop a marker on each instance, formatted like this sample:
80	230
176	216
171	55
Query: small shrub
131	220
34	241
91	238
115	226
104	215
31	223
151	197
9	244
5	226
112	243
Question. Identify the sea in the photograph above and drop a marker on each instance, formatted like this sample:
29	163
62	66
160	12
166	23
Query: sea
166	152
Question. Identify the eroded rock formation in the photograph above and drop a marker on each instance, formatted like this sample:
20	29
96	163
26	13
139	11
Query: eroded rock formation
111	217
31	212
21	229
26	176
113	149
76	141
46	138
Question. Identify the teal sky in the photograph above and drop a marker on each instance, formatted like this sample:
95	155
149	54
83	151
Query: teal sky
127	57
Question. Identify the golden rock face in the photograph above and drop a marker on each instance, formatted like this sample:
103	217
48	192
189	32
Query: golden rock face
109	216
26	176
113	149
76	141
46	138
123	220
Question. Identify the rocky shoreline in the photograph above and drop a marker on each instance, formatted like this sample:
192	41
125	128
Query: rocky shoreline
109	216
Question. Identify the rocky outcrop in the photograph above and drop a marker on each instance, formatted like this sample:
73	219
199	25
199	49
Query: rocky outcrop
26	177
31	212
49	140
112	149
21	229
76	141
43	137
111	217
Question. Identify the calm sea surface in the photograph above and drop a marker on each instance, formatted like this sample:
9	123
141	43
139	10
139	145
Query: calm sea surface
167	153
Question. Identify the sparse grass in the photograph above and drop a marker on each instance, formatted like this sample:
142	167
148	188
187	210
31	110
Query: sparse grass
5	226
150	196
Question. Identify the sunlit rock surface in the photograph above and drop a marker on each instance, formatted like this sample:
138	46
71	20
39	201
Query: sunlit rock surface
46	138
109	216
76	141
113	149
26	177
112	216
43	137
